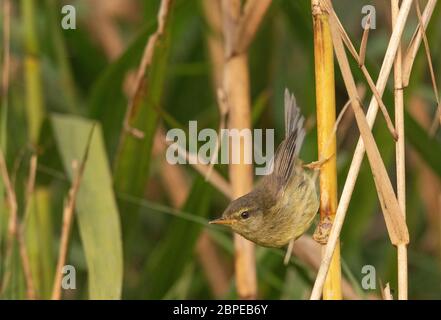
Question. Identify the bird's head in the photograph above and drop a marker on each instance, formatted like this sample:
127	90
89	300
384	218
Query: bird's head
243	215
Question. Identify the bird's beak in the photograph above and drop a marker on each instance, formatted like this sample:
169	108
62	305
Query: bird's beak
224	221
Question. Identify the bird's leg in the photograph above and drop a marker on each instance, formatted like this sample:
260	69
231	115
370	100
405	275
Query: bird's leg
288	252
323	229
317	165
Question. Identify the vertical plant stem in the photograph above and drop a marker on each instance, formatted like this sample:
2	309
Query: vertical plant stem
325	97
400	156
236	84
215	43
68	216
34	95
360	149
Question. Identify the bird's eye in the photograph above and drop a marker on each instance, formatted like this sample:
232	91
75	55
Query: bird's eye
245	215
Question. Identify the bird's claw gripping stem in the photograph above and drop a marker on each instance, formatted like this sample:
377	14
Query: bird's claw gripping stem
317	165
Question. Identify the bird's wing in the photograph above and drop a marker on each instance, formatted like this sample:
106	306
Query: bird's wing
288	151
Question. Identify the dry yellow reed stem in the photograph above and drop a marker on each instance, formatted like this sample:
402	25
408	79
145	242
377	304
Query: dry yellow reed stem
236	85
325	99
400	157
360	149
239	28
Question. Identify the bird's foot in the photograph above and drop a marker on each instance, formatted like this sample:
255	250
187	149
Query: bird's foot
317	165
323	230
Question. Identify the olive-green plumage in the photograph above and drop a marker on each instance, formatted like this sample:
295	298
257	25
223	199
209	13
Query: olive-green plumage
284	203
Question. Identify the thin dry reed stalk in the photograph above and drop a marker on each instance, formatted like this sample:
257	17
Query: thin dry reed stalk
308	250
213	16
400	156
392	213
236	84
360	149
146	61
414	44
327	145
68	215
239	28
360	58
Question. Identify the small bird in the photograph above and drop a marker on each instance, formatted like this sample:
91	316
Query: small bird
283	204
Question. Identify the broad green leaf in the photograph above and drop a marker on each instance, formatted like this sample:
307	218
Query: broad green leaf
168	260
96	209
